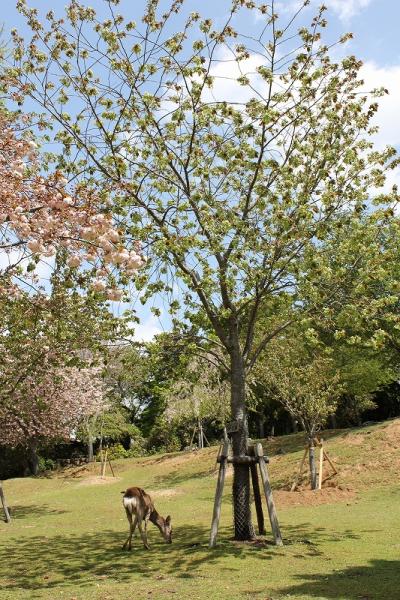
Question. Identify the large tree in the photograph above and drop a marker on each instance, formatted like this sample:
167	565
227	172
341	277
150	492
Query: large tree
229	186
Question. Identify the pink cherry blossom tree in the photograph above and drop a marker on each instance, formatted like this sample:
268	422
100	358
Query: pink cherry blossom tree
41	340
51	407
39	214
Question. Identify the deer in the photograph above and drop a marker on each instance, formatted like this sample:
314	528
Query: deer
139	508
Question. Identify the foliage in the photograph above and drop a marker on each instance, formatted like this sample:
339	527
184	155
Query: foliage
163	437
38	215
236	197
51	407
127	371
46	464
304	381
116	451
358	270
111	424
200	392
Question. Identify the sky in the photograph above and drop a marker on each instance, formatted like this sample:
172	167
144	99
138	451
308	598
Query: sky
375	25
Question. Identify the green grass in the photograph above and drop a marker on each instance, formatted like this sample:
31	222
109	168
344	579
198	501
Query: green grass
66	536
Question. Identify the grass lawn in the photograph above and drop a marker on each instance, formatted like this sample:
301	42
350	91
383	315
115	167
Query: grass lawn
342	543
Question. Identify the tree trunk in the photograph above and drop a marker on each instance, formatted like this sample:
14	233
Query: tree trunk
311	457
295	427
33	459
90	448
333	421
261	428
200	433
241	475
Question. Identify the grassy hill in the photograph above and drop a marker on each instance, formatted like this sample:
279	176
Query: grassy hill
341	543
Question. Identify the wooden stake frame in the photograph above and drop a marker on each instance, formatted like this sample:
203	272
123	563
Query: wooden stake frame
322	456
198	428
4	504
256	457
103	463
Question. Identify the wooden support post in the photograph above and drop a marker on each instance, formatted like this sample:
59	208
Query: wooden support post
192	439
330	462
321	461
299	474
257	499
268	495
200	443
111	467
205	438
104	463
218	494
4	503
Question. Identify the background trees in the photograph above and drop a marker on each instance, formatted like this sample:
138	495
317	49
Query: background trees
50	408
52	347
200	393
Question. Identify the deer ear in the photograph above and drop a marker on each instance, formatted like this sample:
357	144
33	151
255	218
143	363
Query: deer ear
168	520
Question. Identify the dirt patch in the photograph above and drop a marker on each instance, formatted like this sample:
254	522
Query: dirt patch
183	457
167	493
355	439
329	495
392	433
74	472
98	480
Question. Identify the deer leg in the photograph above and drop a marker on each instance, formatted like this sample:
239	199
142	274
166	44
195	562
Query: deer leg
132	527
129	517
144	534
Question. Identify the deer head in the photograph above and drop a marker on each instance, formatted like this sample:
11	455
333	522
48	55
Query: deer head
167	530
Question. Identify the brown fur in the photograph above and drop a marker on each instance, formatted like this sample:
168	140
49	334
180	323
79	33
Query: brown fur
142	508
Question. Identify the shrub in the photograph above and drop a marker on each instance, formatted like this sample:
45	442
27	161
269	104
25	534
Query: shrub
46	464
117	451
164	437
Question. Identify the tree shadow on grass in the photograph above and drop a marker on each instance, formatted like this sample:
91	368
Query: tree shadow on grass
380	580
306	533
33	510
39	562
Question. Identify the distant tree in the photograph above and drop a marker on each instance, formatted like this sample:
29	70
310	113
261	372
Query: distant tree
304	380
41	337
108	423
50	408
201	392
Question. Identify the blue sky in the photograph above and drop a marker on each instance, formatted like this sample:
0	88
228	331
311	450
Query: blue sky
375	24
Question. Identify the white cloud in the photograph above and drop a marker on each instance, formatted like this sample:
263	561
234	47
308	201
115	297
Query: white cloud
147	330
387	117
344	9
226	72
